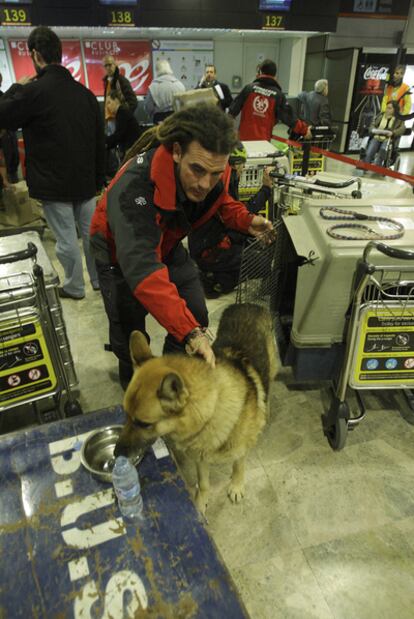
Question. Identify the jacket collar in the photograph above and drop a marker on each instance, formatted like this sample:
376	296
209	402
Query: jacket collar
52	67
268	80
114	78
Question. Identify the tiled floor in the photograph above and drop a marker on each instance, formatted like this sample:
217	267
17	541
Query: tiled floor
320	534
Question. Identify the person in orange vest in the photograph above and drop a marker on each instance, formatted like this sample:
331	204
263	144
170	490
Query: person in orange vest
396	90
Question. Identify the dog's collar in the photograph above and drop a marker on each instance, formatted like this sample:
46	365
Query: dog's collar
141	424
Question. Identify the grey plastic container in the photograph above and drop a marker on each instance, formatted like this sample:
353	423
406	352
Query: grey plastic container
323	288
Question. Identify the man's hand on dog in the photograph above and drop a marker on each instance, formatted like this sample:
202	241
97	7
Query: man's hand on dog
262	229
199	344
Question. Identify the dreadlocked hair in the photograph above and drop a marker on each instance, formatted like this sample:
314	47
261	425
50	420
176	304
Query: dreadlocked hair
204	123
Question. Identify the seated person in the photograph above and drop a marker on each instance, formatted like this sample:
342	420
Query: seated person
127	129
218	250
378	143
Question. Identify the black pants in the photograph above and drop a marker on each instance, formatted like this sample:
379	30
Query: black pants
126	314
223	268
11	154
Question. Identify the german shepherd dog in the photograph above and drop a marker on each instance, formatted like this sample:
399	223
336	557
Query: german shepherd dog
211	415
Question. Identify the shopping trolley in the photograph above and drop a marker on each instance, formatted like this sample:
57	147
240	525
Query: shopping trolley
379	341
35	358
292	191
260	154
302	160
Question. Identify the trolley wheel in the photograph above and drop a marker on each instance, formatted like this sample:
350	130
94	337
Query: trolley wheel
337	434
356	194
72	408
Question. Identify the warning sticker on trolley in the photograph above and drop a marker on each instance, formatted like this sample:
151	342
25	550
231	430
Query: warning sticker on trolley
26	368
384	352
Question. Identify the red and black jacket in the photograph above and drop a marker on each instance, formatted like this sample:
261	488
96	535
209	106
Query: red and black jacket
262	104
138	223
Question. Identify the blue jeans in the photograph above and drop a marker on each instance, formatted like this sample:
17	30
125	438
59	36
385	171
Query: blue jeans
376	151
62	218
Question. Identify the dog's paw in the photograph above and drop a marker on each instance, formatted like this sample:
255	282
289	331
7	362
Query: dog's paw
235	492
201	502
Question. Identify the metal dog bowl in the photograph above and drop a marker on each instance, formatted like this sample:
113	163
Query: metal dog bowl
97	454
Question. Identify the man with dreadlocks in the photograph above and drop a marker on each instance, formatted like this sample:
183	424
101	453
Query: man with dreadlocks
175	181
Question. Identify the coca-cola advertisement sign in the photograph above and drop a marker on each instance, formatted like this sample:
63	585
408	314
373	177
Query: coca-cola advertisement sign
23	65
132	57
371	81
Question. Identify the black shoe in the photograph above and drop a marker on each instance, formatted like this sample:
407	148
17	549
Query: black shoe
212	291
63	294
125	373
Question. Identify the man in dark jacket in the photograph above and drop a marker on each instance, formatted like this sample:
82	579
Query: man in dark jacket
262	104
114	80
209	80
155	200
315	105
65	151
8	144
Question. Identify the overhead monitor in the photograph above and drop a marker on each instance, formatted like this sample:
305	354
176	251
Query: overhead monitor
275	5
119	2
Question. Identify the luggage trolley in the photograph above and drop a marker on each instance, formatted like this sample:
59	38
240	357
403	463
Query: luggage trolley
35	358
260	154
379	341
292	191
302	160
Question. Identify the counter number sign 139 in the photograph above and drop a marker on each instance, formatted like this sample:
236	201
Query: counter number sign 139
10	16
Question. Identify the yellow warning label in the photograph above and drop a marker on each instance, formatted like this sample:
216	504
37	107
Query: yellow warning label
384	353
26	368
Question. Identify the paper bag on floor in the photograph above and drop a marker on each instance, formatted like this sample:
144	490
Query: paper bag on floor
16	206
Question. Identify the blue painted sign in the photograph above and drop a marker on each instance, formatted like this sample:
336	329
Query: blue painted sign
66	551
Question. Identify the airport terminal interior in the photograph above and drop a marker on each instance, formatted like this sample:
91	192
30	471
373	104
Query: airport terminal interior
326	527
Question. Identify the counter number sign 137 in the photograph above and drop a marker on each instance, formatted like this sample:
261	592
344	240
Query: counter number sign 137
273	21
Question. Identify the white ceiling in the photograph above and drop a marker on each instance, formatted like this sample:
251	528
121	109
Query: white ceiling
157	33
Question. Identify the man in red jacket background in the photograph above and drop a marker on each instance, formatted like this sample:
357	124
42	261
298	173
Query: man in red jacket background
175	182
262	104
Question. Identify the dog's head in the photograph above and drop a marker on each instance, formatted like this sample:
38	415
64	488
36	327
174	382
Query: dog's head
153	401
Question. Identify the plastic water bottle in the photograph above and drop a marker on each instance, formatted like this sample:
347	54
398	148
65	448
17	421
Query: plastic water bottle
127	489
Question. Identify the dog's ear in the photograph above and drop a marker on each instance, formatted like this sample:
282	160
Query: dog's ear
139	349
172	391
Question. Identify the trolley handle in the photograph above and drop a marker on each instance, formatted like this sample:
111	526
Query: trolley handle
392	252
24	254
276	155
339	185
